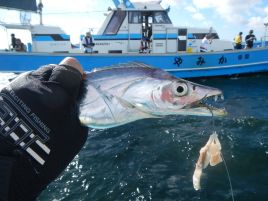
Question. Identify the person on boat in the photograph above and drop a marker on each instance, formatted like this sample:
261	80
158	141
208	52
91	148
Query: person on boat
145	44
88	43
238	41
20	46
205	44
146	41
250	39
13	41
40	132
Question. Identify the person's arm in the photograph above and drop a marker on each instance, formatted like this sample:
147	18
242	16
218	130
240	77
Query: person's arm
43	101
255	37
92	41
84	42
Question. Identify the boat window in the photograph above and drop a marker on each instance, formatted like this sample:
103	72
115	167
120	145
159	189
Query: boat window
115	22
161	18
202	35
213	36
134	17
182	32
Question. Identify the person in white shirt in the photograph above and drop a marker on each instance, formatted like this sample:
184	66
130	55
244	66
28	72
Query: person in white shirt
205	45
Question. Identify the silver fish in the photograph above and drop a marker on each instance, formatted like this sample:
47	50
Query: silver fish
128	92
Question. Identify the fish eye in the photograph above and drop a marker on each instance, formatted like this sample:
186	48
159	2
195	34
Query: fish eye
181	89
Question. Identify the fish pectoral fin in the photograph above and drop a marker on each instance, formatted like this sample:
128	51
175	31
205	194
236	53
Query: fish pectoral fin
145	114
125	103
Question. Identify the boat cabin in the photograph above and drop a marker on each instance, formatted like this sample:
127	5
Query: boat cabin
146	27
49	39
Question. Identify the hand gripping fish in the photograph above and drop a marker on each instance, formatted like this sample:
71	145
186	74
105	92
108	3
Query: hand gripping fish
209	154
127	92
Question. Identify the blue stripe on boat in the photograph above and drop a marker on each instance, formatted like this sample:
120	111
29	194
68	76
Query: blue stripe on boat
134	36
118	37
49	37
165	36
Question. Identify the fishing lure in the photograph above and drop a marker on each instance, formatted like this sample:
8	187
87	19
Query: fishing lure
209	154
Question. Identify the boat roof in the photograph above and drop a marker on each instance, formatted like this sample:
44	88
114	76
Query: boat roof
35	29
143	6
24	5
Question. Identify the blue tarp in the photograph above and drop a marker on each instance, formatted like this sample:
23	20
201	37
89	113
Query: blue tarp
27	5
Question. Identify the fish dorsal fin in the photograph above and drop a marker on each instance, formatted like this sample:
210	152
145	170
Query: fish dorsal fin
132	64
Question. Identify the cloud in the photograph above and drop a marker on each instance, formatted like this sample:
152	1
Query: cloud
75	17
194	13
72	6
266	9
198	16
205	3
257	23
172	2
236	12
191	9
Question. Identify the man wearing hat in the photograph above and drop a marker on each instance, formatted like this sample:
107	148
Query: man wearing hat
250	39
87	43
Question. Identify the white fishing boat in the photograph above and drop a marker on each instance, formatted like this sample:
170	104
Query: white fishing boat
142	32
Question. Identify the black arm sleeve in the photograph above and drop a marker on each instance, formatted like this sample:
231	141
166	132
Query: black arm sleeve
44	116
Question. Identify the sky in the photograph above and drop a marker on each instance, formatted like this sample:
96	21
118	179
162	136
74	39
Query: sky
228	17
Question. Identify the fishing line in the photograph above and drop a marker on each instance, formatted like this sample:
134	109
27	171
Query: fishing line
229	178
225	164
212	117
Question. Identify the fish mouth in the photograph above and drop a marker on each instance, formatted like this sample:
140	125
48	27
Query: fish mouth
206	106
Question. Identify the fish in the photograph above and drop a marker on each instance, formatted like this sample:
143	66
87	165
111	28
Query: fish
209	154
127	92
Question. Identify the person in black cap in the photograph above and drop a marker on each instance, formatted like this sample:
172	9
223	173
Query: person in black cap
40	132
250	39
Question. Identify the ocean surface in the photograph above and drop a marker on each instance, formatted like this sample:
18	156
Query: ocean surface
154	159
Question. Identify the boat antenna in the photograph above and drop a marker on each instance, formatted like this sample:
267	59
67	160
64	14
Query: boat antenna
265	34
39	10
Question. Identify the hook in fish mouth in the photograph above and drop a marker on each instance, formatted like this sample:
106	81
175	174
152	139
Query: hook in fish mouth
204	107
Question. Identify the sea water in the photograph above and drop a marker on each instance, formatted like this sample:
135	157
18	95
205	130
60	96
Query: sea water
154	159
